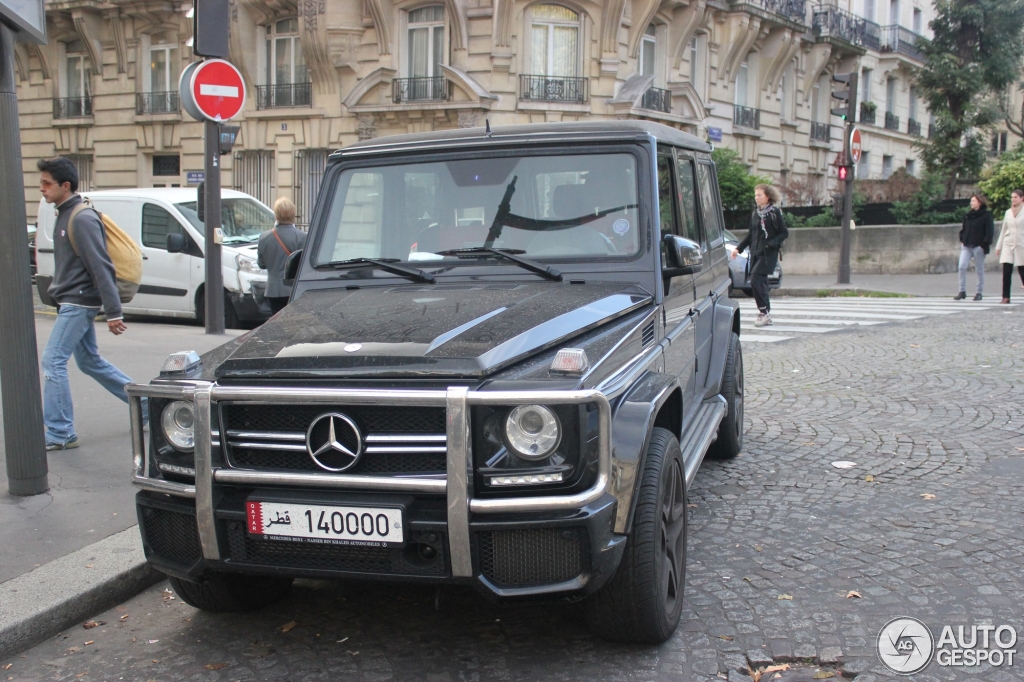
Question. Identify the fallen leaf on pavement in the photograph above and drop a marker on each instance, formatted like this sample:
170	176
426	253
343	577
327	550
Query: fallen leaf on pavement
928	496
777	668
156	660
788	597
758	548
82	674
853	594
288	626
914	345
88	565
869	478
823	675
89	624
73	649
215	666
725	637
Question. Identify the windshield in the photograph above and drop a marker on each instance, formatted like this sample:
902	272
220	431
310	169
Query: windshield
555	207
242	220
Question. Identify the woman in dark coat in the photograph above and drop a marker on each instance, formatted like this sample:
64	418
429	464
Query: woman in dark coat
975	239
767	232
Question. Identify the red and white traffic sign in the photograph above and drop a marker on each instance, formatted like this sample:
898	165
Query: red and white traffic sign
856	145
214	89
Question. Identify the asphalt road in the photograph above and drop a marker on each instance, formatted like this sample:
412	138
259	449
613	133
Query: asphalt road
790	557
90	494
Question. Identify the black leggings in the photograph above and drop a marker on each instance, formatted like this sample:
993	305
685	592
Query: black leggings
1008	277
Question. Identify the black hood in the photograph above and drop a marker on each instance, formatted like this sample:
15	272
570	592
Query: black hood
455	330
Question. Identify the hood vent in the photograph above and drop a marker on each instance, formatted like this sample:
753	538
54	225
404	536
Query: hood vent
647	335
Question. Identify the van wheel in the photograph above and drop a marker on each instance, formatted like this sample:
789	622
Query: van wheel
642	602
223	592
730	432
231	320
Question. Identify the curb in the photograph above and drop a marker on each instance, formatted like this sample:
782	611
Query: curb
838	292
64	592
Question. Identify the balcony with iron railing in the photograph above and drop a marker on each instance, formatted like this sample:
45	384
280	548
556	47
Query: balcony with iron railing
72	107
568	89
421	89
790	10
285	95
831	22
892	121
872	36
657	99
746	117
913	127
901	40
821	132
867	114
156	103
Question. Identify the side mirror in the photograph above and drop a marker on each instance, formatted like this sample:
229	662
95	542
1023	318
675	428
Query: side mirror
176	243
684	257
291	267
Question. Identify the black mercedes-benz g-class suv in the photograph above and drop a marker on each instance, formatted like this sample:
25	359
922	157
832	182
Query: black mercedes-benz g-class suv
506	354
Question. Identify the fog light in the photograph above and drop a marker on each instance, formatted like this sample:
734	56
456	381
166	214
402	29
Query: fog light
526	479
178	423
532	431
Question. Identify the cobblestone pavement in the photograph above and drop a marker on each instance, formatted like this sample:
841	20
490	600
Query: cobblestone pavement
927	524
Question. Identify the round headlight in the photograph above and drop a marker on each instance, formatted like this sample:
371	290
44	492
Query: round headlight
533	431
178	422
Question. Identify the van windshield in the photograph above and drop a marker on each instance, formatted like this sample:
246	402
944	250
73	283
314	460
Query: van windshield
242	220
560	207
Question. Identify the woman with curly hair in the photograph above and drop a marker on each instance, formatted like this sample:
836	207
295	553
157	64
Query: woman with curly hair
767	232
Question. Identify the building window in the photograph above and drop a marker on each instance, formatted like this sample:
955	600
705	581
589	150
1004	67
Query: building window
648	47
426	44
83	163
864	167
894	12
166	165
998	143
160	82
869	10
886	167
890	95
911	167
865	85
697	50
76	84
285	76
253	173
554	57
912	106
918	21
308	174
693	61
816	102
740	98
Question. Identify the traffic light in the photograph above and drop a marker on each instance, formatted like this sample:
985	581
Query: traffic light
210	21
847	94
844	172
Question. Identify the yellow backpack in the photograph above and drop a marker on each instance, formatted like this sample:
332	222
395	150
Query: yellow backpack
124	253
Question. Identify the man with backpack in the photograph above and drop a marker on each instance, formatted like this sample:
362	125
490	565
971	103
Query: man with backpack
84	280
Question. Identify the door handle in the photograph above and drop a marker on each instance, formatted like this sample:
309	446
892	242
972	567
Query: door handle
145	258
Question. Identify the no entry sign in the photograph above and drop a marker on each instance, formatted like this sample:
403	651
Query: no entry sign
855	146
212	90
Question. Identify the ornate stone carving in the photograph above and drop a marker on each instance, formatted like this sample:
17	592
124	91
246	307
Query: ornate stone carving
366	128
469	119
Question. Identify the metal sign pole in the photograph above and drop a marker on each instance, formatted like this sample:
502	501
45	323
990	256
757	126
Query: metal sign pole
24	443
844	230
214	270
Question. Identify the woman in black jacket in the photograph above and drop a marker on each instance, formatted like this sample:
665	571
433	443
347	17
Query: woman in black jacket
975	239
767	232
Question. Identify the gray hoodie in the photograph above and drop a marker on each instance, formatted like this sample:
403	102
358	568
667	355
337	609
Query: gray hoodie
84	277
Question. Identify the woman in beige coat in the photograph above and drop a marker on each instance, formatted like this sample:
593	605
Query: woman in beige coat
1010	247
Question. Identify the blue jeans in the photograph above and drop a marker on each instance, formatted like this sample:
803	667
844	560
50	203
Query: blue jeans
966	254
73	334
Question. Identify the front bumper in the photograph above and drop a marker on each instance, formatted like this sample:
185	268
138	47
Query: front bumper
250	307
510	547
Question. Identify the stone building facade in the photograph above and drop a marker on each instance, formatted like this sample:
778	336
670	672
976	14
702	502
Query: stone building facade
753	75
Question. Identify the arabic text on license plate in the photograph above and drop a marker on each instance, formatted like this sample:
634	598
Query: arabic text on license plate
327	525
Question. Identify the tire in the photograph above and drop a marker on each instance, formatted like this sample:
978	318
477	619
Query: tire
225	592
231	320
730	431
642	602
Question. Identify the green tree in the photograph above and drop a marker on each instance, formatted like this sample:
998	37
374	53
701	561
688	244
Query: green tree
735	183
922	208
974	55
1006	176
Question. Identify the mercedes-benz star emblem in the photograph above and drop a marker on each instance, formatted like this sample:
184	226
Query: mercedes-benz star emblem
334	442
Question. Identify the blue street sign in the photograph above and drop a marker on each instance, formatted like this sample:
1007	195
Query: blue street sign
715	134
195	177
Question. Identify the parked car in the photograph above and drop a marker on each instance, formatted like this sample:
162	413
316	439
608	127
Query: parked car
739	268
505	358
173	280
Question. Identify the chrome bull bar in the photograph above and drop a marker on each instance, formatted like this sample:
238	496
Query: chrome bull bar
458	486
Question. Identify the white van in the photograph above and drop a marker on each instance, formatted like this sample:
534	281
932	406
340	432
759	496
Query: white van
172	283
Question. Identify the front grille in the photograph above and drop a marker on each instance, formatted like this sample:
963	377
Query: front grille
533	556
171	536
406	560
397	440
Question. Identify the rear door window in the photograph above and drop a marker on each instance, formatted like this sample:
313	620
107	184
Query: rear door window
157	223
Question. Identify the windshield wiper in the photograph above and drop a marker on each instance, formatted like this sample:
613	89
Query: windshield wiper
386	264
509	255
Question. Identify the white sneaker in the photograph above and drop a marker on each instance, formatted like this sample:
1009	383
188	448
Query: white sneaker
761	320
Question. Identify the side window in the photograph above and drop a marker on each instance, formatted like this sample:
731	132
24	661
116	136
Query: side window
688	200
665	191
712	214
157	223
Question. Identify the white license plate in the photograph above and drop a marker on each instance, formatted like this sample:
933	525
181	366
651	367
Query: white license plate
298	522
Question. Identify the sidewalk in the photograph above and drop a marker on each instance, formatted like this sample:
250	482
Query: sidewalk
910	285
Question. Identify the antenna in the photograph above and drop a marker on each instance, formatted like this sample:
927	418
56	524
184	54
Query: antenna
487	127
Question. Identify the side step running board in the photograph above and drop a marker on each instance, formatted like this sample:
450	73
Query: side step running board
701	435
